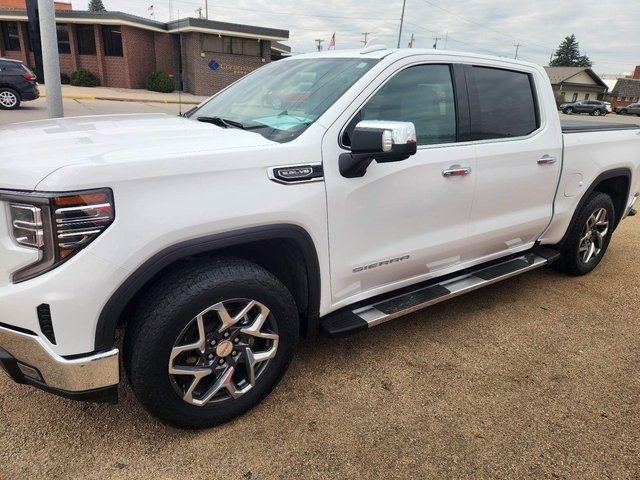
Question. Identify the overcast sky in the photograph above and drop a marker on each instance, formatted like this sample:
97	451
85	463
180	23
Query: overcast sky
608	30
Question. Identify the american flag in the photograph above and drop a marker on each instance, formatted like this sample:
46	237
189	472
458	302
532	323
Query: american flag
332	42
151	10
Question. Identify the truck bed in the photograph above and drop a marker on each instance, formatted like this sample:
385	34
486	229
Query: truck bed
578	126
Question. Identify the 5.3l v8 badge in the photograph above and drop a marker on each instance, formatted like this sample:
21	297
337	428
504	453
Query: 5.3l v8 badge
292	174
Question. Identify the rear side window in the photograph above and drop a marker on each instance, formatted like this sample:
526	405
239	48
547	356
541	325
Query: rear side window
503	104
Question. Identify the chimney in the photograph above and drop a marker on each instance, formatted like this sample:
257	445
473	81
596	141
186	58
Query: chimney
636	74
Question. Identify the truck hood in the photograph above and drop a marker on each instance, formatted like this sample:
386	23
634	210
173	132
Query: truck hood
33	150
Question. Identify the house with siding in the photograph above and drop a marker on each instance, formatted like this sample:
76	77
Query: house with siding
627	90
574	84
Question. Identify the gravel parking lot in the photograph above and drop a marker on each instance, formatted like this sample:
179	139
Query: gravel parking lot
535	377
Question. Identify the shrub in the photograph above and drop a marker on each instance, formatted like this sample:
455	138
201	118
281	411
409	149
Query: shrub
65	79
84	78
159	81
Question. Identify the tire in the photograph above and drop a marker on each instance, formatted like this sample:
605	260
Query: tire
9	99
164	318
597	113
568	111
622	112
574	258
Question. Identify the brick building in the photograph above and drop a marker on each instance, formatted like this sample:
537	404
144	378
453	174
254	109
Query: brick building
22	4
626	90
122	49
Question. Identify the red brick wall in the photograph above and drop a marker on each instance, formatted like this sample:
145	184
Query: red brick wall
139	52
636	73
21	5
200	80
164	53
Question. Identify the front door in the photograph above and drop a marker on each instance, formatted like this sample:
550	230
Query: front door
401	222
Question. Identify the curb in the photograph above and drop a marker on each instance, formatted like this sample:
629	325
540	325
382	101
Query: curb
115	99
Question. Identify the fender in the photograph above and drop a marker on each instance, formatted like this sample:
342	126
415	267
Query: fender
108	319
618	172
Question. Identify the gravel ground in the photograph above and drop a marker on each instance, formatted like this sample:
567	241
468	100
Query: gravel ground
536	377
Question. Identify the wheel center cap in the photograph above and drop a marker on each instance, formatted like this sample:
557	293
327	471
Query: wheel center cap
224	348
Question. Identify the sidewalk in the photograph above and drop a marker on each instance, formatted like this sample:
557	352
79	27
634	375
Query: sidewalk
124	95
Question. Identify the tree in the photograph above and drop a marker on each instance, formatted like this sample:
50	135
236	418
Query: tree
568	54
96	6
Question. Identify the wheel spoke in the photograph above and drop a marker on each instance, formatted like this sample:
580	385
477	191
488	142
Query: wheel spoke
226	319
224	381
198	374
253	358
589	255
198	345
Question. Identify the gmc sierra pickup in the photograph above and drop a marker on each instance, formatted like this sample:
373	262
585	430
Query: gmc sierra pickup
327	192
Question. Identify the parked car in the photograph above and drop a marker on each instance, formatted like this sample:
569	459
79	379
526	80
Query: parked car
17	84
213	242
608	107
592	107
632	109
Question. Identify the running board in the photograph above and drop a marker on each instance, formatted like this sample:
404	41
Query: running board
350	321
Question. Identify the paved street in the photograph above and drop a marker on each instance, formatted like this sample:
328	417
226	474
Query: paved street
37	109
535	377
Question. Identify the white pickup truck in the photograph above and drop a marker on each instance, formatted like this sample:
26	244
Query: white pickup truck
326	192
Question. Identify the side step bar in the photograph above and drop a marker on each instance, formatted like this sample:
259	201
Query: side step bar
349	321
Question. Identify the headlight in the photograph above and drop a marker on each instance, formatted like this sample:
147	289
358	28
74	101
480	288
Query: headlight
58	225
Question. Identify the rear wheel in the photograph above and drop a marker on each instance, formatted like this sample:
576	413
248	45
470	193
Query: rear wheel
597	113
210	341
589	238
9	99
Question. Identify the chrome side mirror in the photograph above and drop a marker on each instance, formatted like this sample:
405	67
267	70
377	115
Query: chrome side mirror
379	140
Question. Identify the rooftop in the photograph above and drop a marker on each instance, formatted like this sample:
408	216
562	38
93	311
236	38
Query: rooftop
627	87
184	25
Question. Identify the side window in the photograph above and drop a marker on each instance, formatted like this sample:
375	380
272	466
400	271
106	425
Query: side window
505	104
423	95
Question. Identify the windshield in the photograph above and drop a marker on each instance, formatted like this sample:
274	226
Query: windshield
281	100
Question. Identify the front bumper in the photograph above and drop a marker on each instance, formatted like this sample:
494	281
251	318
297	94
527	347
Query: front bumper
27	359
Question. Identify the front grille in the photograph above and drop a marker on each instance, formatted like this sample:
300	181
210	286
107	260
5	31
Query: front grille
46	325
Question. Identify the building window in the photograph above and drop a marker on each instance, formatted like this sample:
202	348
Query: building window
86	39
231	45
586	96
10	36
63	38
112	38
575	97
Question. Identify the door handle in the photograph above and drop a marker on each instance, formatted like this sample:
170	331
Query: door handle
456	171
546	160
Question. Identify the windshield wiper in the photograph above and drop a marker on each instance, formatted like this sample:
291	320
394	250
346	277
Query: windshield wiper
222	122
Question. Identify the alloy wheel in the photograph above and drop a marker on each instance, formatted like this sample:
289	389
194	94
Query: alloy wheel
593	235
8	99
597	113
222	352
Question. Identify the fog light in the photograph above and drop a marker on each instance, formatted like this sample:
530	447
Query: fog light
30	372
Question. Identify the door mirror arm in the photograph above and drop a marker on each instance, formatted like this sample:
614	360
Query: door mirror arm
381	141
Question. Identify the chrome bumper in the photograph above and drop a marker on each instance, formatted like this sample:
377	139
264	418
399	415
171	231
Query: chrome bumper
28	359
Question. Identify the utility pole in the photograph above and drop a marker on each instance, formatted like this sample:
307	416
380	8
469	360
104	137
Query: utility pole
517	48
366	34
412	40
404	4
435	42
319	42
50	58
206	9
446	37
170	11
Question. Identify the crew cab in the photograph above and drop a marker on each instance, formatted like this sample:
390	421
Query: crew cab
210	243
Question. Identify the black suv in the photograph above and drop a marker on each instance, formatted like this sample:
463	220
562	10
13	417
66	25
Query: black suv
17	84
592	107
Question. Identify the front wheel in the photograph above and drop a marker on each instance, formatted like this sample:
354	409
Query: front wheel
623	112
209	341
589	237
568	111
597	113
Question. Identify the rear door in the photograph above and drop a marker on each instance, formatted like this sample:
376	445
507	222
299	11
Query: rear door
518	160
